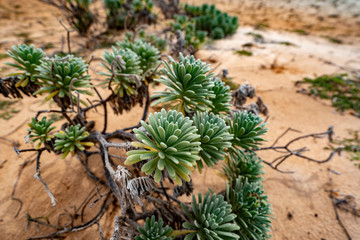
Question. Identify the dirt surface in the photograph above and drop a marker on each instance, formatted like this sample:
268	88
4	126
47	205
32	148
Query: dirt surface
301	203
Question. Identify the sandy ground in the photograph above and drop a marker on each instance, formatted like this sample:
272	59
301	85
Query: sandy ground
301	203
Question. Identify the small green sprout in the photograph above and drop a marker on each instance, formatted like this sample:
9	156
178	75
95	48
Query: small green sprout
154	230
40	131
70	140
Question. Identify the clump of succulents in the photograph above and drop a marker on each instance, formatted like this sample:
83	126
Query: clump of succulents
27	58
221	101
251	208
216	23
247	165
154	230
214	138
62	77
189	82
192	36
123	75
71	139
149	55
81	16
247	129
39	131
211	218
170	144
129	13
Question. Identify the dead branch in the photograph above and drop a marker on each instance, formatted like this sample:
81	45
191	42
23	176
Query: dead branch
287	152
68	31
81	227
38	176
334	203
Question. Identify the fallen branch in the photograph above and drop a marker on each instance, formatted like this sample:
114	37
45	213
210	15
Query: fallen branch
287	152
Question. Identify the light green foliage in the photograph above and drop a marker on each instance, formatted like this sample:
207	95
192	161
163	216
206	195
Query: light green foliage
27	60
247	129
251	208
341	89
189	82
124	63
70	140
243	164
40	131
221	101
154	230
214	137
211	218
216	23
172	146
149	55
58	74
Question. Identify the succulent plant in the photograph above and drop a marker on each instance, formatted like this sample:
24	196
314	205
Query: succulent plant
222	98
211	218
61	77
40	131
172	145
81	16
131	13
251	208
123	63
247	129
189	83
247	165
123	70
149	55
154	230
193	37
214	138
209	19
27	58
70	140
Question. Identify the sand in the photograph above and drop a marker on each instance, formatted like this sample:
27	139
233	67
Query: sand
300	201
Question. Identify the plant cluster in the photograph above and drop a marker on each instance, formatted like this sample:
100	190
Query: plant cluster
216	23
81	18
192	87
130	68
198	131
152	39
70	140
120	14
127	14
149	55
27	59
61	77
341	89
40	131
201	22
192	36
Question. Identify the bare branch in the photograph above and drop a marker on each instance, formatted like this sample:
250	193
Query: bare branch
287	152
38	176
